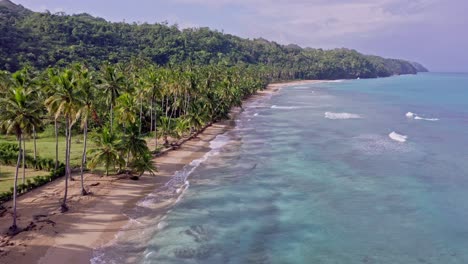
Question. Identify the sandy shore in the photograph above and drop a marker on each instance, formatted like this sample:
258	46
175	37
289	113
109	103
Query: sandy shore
94	220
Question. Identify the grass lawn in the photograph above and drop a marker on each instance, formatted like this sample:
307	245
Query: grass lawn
46	147
7	175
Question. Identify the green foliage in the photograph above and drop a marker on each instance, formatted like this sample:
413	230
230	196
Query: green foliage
44	39
106	152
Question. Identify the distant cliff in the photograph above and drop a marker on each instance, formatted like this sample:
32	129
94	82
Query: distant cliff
45	39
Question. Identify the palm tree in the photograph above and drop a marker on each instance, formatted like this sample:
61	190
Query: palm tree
132	144
167	129
152	79
23	81
18	113
66	102
144	162
112	81
106	151
49	87
85	85
126	110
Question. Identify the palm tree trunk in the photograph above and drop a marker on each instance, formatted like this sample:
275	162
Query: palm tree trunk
141	114
83	160
69	150
64	206
14	227
111	117
35	148
24	161
151	115
56	144
107	165
155	131
127	160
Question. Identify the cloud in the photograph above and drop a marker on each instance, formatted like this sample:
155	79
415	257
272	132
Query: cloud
289	20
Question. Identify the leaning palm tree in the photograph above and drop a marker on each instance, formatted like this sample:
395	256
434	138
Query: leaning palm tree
106	152
66	103
18	113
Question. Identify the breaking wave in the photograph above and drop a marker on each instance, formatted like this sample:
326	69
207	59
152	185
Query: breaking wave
398	137
331	115
416	117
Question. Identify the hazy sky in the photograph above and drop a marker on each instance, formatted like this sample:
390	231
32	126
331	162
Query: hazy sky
433	32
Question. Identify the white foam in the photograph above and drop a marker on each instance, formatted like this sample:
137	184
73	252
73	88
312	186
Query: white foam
426	119
175	188
256	114
398	137
331	115
283	107
162	225
335	81
416	117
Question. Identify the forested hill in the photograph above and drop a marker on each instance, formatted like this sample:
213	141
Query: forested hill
45	39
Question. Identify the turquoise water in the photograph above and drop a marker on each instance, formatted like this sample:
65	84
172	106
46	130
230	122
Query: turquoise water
328	173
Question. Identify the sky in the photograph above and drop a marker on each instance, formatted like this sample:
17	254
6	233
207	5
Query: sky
432	32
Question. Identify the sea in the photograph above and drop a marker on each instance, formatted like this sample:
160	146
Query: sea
352	171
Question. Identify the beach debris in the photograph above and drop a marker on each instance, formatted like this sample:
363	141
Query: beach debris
39	216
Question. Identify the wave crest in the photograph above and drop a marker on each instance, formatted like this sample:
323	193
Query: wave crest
331	115
426	119
398	137
416	117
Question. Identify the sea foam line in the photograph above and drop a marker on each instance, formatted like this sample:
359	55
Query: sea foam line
175	187
284	107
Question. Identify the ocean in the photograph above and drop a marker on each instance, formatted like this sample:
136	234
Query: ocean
353	171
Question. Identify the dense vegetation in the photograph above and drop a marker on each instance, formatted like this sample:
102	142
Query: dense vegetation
120	104
44	39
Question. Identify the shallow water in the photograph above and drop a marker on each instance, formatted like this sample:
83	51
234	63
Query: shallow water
320	174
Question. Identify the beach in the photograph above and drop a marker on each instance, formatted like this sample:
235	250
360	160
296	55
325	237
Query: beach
94	220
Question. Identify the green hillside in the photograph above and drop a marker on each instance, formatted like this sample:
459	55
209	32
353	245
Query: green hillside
45	39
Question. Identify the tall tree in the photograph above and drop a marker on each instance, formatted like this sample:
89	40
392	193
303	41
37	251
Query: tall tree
23	81
112	81
66	102
85	85
18	113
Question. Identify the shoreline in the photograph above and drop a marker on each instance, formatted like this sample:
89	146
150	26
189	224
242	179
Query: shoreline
93	221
